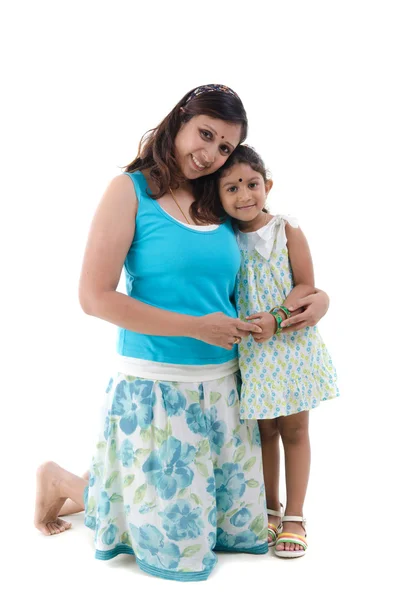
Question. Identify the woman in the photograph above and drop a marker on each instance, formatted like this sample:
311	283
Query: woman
176	474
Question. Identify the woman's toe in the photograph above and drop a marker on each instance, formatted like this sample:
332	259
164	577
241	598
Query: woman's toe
51	528
64	524
44	529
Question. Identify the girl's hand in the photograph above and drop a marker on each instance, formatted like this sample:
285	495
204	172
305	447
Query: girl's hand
220	330
268	326
315	307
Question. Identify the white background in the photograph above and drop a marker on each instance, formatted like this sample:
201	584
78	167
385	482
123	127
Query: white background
81	82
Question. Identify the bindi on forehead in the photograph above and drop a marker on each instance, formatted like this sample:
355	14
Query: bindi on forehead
240	180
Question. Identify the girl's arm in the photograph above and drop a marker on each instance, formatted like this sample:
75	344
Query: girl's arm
301	265
304	295
109	241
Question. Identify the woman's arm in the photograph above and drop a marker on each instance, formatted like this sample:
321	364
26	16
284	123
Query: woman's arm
110	238
310	310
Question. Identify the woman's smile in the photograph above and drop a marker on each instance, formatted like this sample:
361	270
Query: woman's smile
197	163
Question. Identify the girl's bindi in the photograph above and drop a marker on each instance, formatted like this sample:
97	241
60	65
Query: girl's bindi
240	180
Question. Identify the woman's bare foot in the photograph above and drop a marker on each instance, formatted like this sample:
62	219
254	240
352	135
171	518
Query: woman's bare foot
49	500
70	507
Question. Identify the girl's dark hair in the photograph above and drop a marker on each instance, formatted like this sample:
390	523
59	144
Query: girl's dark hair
157	147
207	188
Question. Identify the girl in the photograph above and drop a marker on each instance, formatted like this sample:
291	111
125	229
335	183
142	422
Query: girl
284	374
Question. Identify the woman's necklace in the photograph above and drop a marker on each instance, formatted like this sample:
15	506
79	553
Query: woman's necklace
173	197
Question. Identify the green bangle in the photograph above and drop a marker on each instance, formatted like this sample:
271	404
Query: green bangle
278	318
284	309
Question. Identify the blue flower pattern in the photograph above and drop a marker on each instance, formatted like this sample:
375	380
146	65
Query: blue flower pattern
168	468
174	402
216	429
104	505
241	517
207	423
126	453
196	420
245	539
153	549
136	411
181	521
230	485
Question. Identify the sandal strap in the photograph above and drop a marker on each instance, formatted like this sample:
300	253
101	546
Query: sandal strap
296	519
275	513
292	538
272	531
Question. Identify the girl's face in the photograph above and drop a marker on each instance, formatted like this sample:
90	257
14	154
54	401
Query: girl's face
243	193
203	144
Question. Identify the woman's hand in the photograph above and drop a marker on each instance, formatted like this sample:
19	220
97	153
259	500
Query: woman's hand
220	330
267	323
315	307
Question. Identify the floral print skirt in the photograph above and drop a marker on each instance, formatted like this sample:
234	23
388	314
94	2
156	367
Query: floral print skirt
176	475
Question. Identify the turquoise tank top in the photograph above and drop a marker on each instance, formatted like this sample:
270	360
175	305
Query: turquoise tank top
182	270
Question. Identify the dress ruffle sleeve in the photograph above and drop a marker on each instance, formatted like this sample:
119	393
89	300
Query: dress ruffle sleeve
274	234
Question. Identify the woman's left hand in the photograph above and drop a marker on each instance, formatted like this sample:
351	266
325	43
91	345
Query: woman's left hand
315	307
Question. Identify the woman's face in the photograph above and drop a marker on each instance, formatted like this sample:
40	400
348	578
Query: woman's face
203	144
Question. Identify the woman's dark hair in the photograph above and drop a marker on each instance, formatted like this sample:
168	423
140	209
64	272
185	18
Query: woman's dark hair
207	188
157	147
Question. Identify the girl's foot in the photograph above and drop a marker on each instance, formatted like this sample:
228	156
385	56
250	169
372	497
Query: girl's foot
292	527
49	500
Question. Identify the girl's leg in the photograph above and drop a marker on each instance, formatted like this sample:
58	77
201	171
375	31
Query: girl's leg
294	431
270	440
70	507
54	486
